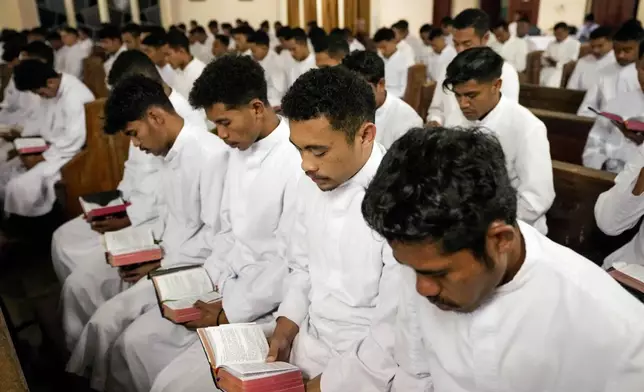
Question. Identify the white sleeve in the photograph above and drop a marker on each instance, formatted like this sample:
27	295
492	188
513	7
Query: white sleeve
400	80
69	139
617	209
534	168
436	111
75	66
574	83
510	86
595	154
591	99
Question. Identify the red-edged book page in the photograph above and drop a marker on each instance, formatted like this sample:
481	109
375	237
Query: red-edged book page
135	257
109	210
627	280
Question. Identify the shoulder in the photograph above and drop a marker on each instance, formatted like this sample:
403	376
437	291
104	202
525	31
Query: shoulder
522	115
508	70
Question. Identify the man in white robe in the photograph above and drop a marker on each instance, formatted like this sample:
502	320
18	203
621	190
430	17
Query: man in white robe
110	40
27	181
589	67
514	50
248	261
271	62
193	169
330	50
559	52
85	40
220	46
131	36
77	243
407	42
397	62
242	35
486	302
200	46
615	78
74	54
303	59
441	54
187	67
155	47
522	135
471	29
394	117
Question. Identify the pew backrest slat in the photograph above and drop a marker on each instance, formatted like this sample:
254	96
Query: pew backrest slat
548	98
416	76
567	134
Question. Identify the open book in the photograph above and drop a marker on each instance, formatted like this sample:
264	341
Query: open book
237	355
132	245
630	275
102	205
635	124
179	288
30	145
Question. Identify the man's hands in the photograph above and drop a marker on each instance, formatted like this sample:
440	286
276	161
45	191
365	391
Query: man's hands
282	340
31	160
635	137
133	276
433	124
212	315
550	61
314	385
11	135
110	224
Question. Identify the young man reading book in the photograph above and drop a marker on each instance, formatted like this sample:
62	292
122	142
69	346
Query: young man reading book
193	171
487	303
248	263
77	243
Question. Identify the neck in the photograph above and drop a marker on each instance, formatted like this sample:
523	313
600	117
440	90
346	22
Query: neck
382	102
497	99
175	125
363	161
185	63
271	123
516	258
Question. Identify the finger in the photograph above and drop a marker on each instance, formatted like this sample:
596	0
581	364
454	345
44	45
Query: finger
273	351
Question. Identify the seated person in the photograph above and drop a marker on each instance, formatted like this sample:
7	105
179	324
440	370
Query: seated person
330	50
112	43
514	50
302	60
441	54
589	67
155	47
186	66
273	66
558	53
397	63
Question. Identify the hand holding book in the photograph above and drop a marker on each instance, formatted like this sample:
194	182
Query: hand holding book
134	275
282	340
632	128
110	224
212	315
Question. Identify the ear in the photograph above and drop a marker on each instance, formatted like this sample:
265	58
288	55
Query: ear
258	107
500	237
485	38
498	83
367	133
381	86
156	116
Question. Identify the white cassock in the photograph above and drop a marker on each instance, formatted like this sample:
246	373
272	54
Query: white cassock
444	107
59	59
417	47
107	65
248	264
393	119
355	45
588	69
287	60
523	339
438	62
185	78
30	192
19	108
73	60
275	75
202	51
606	144
618	210
562	52
515	52
612	80
87	45
193	174
167	74
75	244
299	68
396	72
493	43
527	153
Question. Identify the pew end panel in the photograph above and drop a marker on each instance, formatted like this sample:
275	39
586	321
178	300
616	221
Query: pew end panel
12	378
566	73
94	76
533	66
416	77
426	97
548	98
567	134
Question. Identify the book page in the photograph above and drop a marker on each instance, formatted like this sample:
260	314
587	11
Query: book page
129	240
238	343
635	271
189	301
183	284
29	142
248	370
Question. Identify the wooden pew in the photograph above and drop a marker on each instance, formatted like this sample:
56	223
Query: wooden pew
11	377
533	67
100	164
426	97
416	77
566	73
94	76
555	99
567	134
571	219
5	77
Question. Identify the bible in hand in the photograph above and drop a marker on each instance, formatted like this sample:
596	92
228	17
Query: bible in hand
103	205
237	355
30	145
132	245
632	124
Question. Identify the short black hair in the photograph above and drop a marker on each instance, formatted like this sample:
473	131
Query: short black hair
265	25
482	64
11	51
198	30
525	19
316	33
156	30
40	51
299	35
182	26
109	32
30	75
426	28
501	24
345	100
244	30
178	40
260	38
474	18
226	26
213	23
336	46
435	33
224	39
601	32
284	33
53	36
132	62
155	40
312	23
130	99
366	63
86	30
589	17
441	185
70	30
629	31
41	31
232	80
132	28
384	34
401	25
447	21
641	49
561	25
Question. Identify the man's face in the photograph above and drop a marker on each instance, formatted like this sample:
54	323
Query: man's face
213	30
299	51
438	44
424	36
56	44
157	55
259	51
322	60
174	57
459	281
68	39
241	42
601	46
218	48
522	29
501	34
110	45
148	134
237	127
82	35
626	52
50	90
130	41
380	92
387	48
561	34
467	38
447	29
327	157
399	34
476	99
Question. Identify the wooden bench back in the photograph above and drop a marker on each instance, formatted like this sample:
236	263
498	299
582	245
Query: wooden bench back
567	134
94	76
533	66
566	73
555	99
426	97
571	219
416	77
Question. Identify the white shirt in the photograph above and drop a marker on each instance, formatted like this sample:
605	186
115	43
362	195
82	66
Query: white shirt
396	72
588	69
438	62
87	45
201	51
107	65
248	262
355	45
562	52
515	52
613	79
336	264
59	59
299	68
167	74
444	104
18	106
275	77
527	154
393	119
512	28
606	143
73	60
417	47
405	48
185	78
538	332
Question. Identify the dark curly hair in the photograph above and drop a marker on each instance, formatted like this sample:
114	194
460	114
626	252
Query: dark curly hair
442	185
31	75
233	80
341	96
368	64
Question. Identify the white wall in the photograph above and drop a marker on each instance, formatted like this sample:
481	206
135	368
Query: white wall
254	11
553	11
388	12
18	14
460	5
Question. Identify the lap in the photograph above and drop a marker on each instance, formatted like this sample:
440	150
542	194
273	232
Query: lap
190	371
